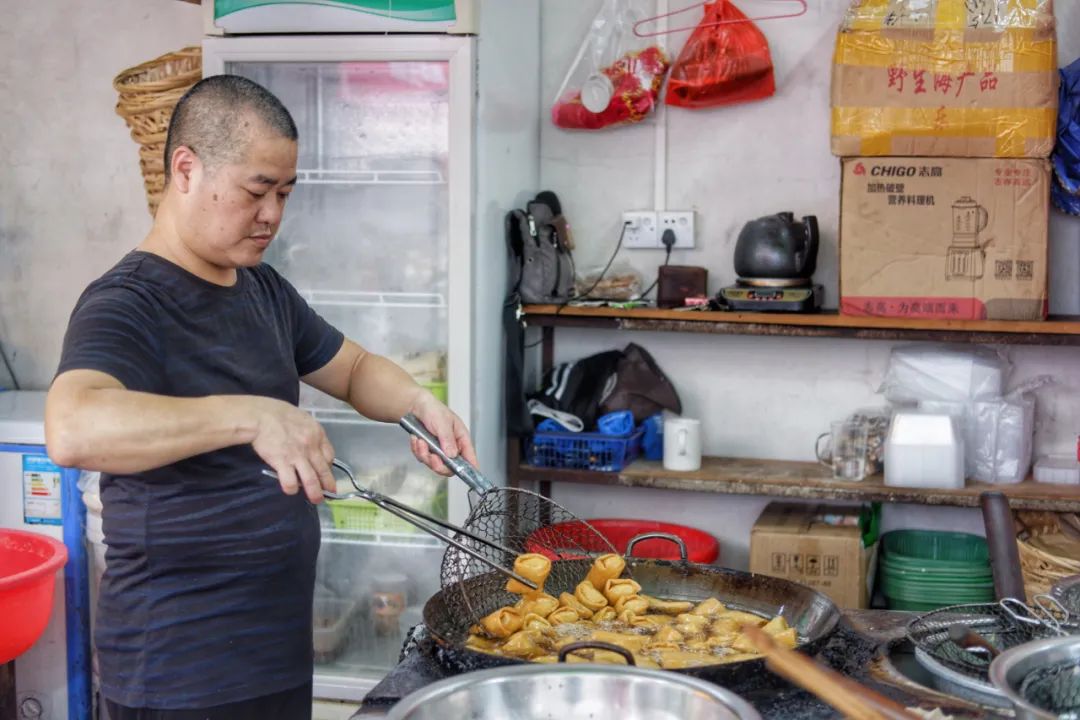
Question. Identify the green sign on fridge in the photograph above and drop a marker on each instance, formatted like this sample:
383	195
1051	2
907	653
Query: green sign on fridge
414	10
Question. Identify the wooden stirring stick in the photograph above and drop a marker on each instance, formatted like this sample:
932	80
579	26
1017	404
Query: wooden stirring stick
852	699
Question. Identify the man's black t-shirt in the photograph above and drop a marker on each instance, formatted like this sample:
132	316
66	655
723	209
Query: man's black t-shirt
207	595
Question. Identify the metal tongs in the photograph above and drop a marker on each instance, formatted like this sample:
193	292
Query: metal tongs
421	520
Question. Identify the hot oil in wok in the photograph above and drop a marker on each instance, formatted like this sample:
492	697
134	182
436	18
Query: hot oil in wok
607	608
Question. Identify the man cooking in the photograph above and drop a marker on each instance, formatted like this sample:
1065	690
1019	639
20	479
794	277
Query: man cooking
179	382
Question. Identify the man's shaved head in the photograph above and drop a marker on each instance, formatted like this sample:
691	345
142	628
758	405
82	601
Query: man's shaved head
218	117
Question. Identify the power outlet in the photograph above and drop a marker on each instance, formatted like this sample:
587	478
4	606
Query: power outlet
640	229
679	222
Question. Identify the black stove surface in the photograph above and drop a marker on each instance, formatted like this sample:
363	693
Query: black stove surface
853	652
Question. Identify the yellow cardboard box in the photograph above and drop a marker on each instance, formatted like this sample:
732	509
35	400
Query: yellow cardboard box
953	78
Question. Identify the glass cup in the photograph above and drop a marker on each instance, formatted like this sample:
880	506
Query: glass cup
844	450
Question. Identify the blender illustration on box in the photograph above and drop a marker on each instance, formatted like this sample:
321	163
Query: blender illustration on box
966	257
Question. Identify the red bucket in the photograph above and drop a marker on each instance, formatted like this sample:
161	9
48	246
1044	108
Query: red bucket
700	546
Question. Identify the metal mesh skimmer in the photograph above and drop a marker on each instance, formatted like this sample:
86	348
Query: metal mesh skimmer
1055	688
1002	627
522	522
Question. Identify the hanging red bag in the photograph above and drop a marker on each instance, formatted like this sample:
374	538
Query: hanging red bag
725	61
616	77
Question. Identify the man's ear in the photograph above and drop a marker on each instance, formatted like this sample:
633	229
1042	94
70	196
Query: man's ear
184	166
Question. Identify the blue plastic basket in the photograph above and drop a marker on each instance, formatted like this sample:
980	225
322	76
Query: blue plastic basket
584	451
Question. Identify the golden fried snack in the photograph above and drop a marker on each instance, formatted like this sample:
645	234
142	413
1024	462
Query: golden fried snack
540	604
725	626
787	637
742	618
620	587
631	642
668	607
742	644
589	596
569	601
503	623
532	566
775	626
721	641
478	642
525	644
679	659
632	602
605	614
655	622
563	615
604	568
535	622
668	635
709	608
644	661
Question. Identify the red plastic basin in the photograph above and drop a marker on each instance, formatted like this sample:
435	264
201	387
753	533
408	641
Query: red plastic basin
700	546
28	565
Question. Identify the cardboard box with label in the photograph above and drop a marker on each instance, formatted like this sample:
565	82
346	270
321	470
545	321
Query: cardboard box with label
820	546
958	78
944	238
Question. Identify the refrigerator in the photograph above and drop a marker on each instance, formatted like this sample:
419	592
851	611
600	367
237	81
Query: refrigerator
52	678
411	149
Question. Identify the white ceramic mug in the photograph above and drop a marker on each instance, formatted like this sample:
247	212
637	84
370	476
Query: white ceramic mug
682	443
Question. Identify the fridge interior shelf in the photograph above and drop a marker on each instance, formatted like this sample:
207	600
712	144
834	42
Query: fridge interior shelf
357	298
369	177
381	539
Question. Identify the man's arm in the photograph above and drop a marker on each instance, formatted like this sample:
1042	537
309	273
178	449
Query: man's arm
379	389
92	422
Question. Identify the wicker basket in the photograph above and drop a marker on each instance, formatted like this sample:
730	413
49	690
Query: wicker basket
1047	553
148	94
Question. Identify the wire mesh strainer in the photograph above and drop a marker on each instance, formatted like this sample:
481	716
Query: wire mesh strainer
507	522
1004	625
523	522
1055	688
1041	679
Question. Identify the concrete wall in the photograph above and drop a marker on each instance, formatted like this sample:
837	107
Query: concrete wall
71	197
756	396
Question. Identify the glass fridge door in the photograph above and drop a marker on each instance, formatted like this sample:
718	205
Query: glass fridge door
366	240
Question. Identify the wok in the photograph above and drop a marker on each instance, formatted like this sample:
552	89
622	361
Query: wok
813	615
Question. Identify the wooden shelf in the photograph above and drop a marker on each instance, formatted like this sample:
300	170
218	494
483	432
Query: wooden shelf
777	478
1055	331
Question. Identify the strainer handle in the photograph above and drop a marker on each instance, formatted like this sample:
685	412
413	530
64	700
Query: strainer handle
657	536
459	465
596	645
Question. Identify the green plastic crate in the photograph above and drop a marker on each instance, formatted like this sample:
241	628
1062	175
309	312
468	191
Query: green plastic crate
358	515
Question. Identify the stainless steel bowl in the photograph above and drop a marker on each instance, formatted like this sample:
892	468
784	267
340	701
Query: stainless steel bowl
566	692
1009	669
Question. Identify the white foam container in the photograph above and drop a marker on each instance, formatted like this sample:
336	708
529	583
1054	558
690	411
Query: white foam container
924	450
1057	470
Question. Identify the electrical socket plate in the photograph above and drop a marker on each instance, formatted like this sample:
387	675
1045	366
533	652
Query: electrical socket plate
640	229
682	223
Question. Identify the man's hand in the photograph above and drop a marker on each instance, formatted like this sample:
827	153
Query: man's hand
295	445
451	432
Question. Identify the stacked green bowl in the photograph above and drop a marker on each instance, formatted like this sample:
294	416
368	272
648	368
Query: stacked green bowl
924	570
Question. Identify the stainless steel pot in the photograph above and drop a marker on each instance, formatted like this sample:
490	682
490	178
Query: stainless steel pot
564	692
1010	669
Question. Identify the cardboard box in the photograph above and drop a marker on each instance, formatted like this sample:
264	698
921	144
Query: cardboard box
944	238
802	543
949	78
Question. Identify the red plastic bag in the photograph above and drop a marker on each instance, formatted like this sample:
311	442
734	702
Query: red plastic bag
616	76
722	64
